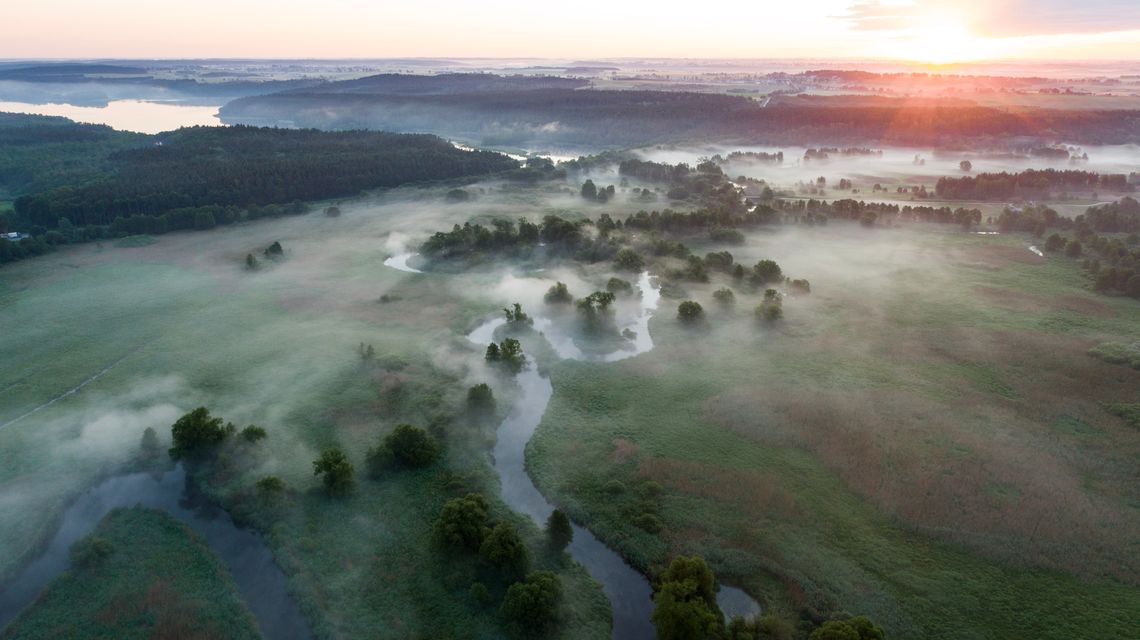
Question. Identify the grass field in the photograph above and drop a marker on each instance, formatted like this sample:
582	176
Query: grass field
923	439
101	342
157	580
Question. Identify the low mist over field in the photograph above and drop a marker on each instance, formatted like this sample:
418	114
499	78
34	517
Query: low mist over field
591	322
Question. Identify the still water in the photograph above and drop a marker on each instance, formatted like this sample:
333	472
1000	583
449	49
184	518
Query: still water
139	116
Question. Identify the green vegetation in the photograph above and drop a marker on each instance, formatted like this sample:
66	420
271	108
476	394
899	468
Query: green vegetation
140	574
792	463
685	600
336	472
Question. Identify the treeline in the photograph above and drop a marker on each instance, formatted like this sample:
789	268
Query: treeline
814	211
246	166
201	177
620	119
1001	186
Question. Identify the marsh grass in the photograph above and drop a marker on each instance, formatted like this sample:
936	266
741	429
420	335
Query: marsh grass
157	579
921	439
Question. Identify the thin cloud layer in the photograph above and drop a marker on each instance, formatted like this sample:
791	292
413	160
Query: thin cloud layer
1000	18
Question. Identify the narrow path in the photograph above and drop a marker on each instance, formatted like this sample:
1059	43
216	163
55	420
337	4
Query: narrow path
74	389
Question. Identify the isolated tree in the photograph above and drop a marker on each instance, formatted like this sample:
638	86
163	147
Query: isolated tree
274	250
738	272
250	262
336	471
196	434
1055	243
493	353
1073	249
765	272
530	607
725	296
771	308
411	446
481	398
689	311
503	549
462	523
150	447
332	211
589	190
558	294
966	166
559	533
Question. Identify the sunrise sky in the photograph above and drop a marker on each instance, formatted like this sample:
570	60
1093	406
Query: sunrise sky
938	31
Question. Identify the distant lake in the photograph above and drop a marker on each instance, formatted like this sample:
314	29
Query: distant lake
126	115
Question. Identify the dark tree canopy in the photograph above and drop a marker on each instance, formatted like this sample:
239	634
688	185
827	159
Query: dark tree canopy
411	446
462	523
559	533
530	608
686	601
689	311
503	549
336	472
196	434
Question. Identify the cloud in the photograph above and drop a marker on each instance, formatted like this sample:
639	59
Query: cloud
999	18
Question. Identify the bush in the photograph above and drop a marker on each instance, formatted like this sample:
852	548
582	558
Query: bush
648	522
253	433
89	552
766	272
689	311
617	286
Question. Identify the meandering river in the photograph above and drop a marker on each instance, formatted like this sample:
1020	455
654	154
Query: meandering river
629	592
263	586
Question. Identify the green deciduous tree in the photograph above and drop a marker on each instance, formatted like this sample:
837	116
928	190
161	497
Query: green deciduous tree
336	472
559	533
689	311
504	550
412	446
462	523
530	607
196	434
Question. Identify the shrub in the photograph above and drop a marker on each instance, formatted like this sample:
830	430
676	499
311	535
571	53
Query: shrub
689	311
88	552
617	286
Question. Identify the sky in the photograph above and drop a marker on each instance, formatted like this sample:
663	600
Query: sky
936	31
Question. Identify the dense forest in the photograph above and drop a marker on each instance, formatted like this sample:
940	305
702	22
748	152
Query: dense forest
105	185
1031	182
512	110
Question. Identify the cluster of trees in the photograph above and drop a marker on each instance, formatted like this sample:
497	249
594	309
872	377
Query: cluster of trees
684	595
1031	182
530	604
754	157
813	212
197	435
507	353
771	308
591	192
516	316
559	235
705	184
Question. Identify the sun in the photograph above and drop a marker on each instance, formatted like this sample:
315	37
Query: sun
940	41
